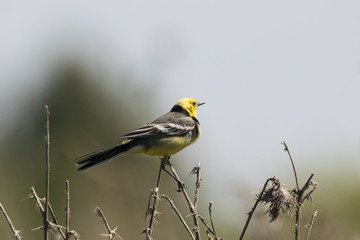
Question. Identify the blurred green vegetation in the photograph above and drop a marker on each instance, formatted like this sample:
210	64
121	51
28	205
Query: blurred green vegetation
84	118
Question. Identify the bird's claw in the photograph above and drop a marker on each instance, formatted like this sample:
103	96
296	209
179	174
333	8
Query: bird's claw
181	186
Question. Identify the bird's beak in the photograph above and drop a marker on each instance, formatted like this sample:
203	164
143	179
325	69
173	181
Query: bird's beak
201	103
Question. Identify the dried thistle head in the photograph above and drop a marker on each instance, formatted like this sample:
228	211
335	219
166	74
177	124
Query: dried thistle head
281	199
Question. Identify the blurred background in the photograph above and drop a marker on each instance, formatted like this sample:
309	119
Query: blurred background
268	71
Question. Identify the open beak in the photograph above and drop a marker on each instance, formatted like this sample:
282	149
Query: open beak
201	103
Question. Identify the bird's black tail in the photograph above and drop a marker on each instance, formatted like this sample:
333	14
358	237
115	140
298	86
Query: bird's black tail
97	158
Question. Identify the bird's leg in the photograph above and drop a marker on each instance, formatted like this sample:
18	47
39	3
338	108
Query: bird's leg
166	161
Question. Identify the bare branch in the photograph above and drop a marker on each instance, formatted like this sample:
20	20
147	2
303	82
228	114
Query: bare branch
151	209
47	191
111	233
310	225
67	209
34	195
308	195
193	211
8	220
211	219
286	149
179	215
209	230
196	170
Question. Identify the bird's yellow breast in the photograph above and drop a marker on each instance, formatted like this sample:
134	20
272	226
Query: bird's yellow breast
164	146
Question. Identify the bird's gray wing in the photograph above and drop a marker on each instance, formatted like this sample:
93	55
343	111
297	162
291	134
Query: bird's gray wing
159	130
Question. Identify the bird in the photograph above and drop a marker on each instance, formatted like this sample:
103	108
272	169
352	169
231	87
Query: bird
164	137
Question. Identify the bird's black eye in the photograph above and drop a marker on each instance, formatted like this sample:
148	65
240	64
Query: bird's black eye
193	103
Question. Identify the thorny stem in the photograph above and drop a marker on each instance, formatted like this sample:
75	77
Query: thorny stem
8	220
42	210
111	233
300	193
300	200
196	170
67	209
286	149
298	207
211	219
297	222
191	207
310	225
208	228
254	207
60	229
154	195
46	213
179	215
308	195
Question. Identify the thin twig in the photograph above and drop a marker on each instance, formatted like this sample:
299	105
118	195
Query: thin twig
67	209
55	222
8	220
211	219
34	195
179	215
286	149
308	195
310	225
154	196
46	217
210	230
111	233
193	211
196	170
300	194
254	207
207	226
306	185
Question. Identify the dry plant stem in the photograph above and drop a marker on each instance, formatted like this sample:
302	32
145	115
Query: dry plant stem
100	213
67	209
196	170
298	208
308	195
111	233
297	222
55	223
42	210
254	207
155	196
179	215
8	220
310	225
306	186
46	217
299	193
292	163
37	199
208	228
211	220
191	207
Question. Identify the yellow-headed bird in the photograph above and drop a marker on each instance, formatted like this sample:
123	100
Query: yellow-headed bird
164	137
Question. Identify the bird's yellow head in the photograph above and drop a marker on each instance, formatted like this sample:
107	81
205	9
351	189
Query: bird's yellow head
190	105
